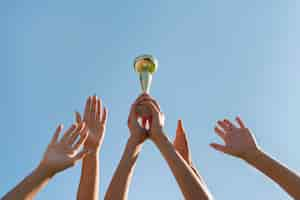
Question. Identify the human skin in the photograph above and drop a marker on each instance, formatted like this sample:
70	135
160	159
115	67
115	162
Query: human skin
181	144
95	118
189	182
120	183
241	143
59	156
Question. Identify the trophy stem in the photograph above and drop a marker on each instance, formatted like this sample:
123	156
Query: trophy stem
146	80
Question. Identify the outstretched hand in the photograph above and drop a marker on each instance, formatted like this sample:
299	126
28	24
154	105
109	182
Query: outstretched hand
239	141
62	154
95	117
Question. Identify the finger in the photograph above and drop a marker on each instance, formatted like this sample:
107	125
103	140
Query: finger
78	117
142	96
149	99
220	133
219	147
240	122
229	124
80	155
156	114
69	132
181	143
104	117
99	109
94	107
156	103
76	133
87	110
150	120
150	105
83	137
180	132
144	122
223	125
56	134
180	129
133	117
132	113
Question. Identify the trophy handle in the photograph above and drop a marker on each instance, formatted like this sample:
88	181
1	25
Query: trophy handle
146	80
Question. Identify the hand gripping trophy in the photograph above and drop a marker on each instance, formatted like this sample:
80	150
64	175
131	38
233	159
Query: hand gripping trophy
145	66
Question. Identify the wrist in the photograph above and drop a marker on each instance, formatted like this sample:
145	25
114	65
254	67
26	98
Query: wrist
134	141
44	172
93	149
132	150
252	155
92	154
158	135
160	139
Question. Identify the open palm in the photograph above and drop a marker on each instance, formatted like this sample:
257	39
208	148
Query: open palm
239	141
62	154
95	118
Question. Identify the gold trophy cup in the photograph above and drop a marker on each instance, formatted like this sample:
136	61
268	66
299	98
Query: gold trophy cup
145	66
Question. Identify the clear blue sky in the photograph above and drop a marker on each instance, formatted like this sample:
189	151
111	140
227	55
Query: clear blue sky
217	59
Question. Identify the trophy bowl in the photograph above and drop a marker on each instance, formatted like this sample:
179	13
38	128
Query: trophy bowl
145	63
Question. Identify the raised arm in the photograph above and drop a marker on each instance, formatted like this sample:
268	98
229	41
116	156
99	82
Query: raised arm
95	117
181	145
60	155
119	186
188	181
240	143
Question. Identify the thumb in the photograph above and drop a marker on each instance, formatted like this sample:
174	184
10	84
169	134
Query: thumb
219	147
78	117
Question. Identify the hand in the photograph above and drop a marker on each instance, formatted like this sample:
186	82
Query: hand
239	141
138	133
62	154
181	143
95	118
158	118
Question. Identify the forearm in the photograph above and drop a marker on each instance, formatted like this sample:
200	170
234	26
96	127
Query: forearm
189	183
89	181
30	186
279	173
119	186
201	179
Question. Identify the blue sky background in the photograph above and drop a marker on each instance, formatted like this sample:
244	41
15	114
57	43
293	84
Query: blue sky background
217	59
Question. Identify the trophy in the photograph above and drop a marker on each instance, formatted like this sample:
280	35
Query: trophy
145	66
